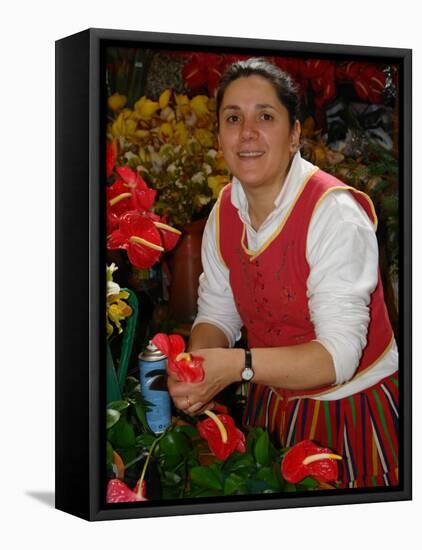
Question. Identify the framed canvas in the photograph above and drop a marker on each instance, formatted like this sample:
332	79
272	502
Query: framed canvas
139	170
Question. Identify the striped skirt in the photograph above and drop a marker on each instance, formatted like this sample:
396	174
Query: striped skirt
362	428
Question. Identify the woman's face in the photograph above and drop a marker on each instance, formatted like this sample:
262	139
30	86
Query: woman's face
255	134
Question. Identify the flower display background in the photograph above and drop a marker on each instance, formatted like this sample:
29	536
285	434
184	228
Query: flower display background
162	126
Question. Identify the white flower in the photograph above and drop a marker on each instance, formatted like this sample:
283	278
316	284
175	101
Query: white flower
198	177
110	269
207	168
113	289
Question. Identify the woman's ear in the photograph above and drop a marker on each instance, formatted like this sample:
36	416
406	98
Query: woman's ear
295	137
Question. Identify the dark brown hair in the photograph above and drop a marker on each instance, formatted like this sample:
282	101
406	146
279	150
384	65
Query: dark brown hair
284	86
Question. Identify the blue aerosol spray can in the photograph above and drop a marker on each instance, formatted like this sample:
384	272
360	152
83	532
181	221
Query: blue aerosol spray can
153	378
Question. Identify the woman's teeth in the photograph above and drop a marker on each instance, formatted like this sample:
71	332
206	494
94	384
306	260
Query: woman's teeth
251	154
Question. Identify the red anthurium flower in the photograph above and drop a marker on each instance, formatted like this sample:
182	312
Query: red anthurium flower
347	72
324	86
204	69
370	84
314	68
118	491
131	190
295	68
235	440
112	221
186	367
214	71
111	156
195	72
139	237
307	459
169	235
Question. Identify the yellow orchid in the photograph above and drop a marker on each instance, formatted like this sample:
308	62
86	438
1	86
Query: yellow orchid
144	155
123	127
200	105
216	183
166	132
117	311
146	108
116	102
205	137
180	134
183	103
164	99
142	134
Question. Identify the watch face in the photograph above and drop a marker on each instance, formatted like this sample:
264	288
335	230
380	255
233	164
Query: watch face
247	374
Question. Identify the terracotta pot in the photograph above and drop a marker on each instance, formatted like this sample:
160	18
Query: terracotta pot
185	268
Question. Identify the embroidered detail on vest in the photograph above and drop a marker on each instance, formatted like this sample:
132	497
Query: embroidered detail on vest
254	255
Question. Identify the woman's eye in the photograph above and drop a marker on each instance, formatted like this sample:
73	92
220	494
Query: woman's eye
232	118
266	116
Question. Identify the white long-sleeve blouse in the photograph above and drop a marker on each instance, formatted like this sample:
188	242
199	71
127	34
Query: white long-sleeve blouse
342	253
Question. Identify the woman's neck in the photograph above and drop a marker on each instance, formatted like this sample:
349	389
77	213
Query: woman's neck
261	199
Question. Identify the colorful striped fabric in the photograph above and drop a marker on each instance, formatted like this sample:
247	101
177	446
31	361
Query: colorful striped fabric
363	428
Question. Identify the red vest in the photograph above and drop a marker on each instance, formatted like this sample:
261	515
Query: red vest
270	286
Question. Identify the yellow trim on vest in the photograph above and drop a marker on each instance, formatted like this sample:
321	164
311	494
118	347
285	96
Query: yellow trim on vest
254	255
242	242
339	386
371	204
217	227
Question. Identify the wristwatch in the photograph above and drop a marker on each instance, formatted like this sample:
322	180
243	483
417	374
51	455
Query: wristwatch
247	372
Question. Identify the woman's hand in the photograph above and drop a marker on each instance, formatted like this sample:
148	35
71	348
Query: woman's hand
222	367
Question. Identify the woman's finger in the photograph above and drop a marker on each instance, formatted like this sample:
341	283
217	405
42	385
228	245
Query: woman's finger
195	408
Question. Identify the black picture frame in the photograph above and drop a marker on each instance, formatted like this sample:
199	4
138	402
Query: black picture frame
80	277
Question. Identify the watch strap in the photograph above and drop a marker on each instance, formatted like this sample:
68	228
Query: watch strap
248	359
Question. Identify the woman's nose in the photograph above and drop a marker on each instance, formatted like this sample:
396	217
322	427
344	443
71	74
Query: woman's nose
248	130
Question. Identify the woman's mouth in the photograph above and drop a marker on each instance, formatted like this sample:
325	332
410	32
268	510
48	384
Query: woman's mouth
250	154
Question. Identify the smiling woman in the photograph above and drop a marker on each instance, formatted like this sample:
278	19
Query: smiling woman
257	139
290	253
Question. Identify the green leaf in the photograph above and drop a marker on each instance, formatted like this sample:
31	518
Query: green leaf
109	453
170	479
145	440
262	449
173	448
234	484
290	488
216	468
308	483
175	443
118	405
205	477
256	486
132	386
266	474
128	455
239	462
189	431
140	410
122	434
112	418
